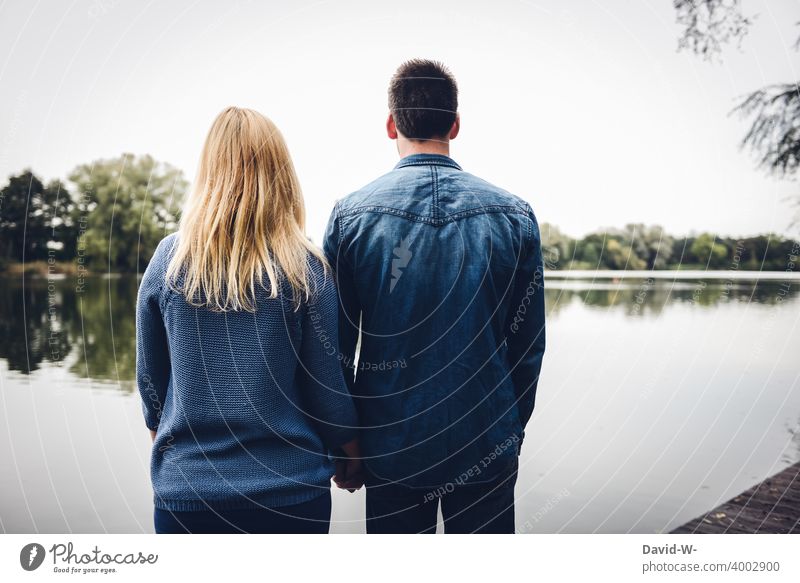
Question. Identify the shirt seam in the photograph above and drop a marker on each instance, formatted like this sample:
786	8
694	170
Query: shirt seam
492	209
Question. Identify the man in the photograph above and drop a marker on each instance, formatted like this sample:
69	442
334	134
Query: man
440	277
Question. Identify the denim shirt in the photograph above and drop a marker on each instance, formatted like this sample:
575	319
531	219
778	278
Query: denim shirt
440	278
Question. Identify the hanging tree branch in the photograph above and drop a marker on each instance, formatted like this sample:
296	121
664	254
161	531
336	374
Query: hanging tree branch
775	131
774	110
710	24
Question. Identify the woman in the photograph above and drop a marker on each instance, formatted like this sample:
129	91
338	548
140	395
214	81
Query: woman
237	361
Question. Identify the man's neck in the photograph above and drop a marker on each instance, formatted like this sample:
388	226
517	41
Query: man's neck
409	148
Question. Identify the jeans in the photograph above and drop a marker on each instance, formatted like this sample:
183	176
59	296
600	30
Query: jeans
312	517
481	508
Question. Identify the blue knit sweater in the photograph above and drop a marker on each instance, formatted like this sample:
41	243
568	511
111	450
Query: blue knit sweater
247	406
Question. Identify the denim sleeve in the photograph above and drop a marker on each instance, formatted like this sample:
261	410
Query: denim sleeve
326	397
152	350
526	326
349	306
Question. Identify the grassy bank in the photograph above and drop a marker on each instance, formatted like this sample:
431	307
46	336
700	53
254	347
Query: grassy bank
41	268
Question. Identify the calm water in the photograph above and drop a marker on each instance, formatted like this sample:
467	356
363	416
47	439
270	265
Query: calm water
658	400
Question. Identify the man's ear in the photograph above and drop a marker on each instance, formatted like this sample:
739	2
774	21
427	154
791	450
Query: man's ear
391	129
455	128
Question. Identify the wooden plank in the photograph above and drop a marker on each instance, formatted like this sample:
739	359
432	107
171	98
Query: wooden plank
771	506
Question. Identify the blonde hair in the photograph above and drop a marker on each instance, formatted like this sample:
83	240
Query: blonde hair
244	218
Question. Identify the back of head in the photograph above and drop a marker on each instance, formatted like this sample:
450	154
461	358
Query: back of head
243	220
423	99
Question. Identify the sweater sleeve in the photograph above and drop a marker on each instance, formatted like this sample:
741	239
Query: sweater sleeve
326	397
152	350
526	326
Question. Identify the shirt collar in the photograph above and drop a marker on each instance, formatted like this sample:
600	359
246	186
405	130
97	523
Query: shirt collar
426	160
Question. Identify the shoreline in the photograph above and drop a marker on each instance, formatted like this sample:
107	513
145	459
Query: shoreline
66	270
676	273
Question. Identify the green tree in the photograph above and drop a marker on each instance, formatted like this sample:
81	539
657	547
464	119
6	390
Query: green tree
557	248
34	218
708	251
619	254
590	253
650	243
632	237
124	207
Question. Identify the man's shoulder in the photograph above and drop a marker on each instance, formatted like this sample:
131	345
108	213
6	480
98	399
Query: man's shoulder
379	192
491	194
456	192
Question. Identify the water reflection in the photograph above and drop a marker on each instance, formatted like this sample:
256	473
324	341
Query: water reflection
647	297
25	330
90	328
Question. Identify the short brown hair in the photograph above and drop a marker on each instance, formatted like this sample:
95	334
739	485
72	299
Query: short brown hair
423	99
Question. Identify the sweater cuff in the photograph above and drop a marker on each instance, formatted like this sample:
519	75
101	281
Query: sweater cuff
151	418
336	439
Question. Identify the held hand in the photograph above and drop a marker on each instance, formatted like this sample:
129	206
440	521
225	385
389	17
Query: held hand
349	474
349	471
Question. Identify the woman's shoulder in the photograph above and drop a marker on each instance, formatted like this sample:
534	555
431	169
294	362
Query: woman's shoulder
164	251
168	244
157	265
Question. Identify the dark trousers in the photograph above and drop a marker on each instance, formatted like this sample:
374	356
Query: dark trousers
484	508
312	517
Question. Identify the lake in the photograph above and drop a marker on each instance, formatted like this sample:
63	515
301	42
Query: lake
660	397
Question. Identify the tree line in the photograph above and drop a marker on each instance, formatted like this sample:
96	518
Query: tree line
109	217
111	214
646	247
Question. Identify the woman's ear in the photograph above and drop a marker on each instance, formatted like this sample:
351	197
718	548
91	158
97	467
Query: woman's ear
456	127
391	129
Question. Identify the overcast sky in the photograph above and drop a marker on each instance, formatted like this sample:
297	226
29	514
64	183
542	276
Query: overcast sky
583	108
